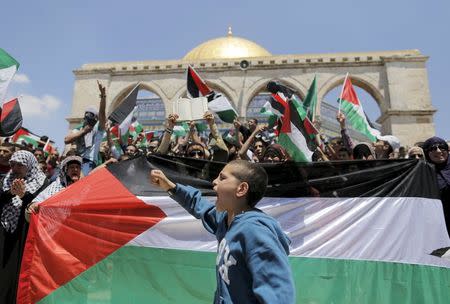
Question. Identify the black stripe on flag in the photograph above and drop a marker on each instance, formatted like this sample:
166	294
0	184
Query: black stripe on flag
357	178
125	107
10	118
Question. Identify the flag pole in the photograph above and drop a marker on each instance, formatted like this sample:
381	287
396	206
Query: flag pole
342	92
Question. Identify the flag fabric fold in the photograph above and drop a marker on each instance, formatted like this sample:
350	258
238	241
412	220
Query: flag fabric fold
114	238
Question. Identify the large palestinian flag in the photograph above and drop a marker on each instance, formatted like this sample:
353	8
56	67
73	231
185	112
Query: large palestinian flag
362	232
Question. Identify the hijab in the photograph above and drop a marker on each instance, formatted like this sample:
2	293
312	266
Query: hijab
443	169
34	180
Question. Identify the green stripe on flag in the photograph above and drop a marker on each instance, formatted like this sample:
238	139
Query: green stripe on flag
357	119
296	146
7	61
310	101
156	275
227	116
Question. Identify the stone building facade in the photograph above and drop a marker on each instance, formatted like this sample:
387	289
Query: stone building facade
397	80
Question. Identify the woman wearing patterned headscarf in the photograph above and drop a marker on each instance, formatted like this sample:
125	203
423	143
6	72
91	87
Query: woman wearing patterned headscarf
21	185
436	152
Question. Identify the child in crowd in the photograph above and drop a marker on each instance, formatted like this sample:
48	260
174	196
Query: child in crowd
252	264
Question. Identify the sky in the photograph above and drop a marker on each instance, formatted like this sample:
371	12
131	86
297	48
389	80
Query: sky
52	38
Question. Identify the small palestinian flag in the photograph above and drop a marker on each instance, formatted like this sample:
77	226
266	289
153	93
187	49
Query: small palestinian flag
196	87
353	110
24	136
217	103
8	68
297	133
310	102
49	148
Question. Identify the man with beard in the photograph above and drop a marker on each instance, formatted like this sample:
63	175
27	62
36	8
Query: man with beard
6	150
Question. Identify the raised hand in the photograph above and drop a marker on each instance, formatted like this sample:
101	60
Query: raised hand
340	117
209	117
172	120
102	89
158	178
18	187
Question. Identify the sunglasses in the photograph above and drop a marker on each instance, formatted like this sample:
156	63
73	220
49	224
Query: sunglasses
196	153
441	147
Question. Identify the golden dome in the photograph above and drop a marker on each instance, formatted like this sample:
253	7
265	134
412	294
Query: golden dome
226	47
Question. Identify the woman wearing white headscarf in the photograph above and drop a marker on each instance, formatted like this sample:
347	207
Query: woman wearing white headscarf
21	185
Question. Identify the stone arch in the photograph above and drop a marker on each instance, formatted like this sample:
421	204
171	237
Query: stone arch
142	86
260	86
363	82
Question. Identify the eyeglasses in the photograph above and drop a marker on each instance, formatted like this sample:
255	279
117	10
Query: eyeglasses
441	147
196	153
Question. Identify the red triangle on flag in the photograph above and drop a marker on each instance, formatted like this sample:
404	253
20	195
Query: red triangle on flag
77	228
348	93
196	87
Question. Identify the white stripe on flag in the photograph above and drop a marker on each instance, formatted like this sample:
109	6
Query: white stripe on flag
404	230
6	76
220	104
300	142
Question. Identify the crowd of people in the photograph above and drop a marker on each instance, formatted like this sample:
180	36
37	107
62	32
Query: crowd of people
29	175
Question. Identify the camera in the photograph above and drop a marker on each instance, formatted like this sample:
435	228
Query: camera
90	119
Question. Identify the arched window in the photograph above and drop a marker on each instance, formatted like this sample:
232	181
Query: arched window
150	112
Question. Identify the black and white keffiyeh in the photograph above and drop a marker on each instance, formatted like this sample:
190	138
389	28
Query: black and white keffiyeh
61	182
34	180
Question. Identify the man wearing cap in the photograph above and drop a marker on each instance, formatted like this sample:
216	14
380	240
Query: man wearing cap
89	137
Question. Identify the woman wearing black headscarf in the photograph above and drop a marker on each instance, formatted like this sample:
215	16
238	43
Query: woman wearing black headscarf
20	186
436	152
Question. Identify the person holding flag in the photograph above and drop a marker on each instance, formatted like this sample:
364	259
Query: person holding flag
89	137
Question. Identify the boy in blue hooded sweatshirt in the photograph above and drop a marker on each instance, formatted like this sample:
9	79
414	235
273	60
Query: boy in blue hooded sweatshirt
252	257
